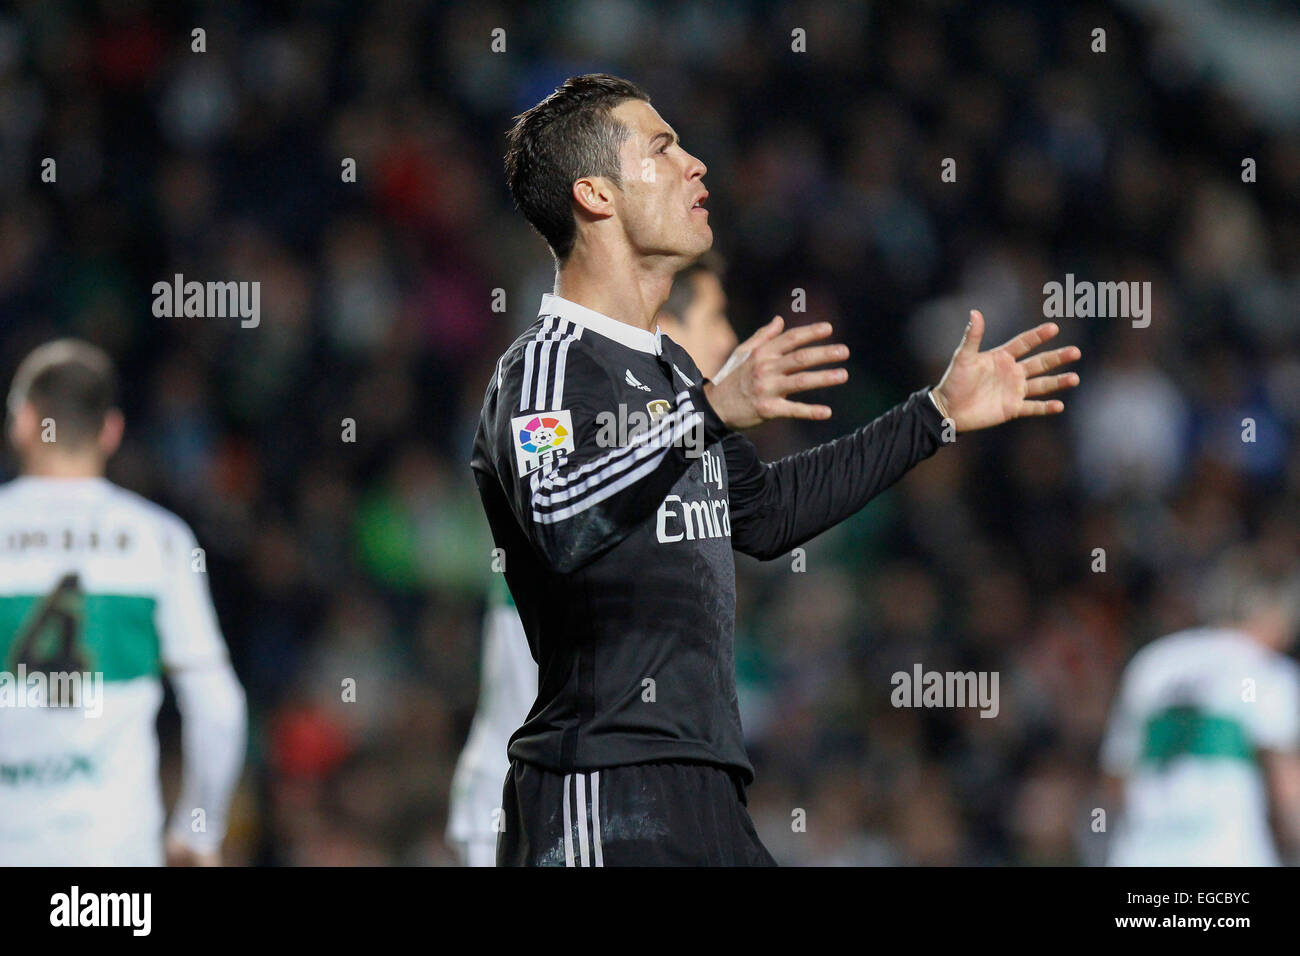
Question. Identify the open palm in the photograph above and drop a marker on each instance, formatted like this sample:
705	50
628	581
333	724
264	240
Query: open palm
982	389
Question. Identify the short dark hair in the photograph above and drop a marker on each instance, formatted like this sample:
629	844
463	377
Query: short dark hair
566	136
1243	581
683	291
70	381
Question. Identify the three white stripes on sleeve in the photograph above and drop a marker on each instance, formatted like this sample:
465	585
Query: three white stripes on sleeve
537	361
549	489
576	810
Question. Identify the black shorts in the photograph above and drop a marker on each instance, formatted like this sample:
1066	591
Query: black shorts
650	814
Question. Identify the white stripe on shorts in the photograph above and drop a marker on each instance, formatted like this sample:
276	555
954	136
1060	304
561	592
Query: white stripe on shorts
582	818
568	824
595	817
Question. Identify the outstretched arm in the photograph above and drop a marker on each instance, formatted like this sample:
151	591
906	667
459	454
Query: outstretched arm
779	505
776	506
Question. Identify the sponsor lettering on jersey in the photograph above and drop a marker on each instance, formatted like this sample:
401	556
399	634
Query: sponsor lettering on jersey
712	469
680	519
63	768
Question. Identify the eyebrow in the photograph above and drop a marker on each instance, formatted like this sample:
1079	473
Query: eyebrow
664	134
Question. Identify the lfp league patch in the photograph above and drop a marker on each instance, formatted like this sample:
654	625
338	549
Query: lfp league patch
539	437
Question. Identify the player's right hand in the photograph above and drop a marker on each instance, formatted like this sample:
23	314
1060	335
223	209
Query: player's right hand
770	365
179	854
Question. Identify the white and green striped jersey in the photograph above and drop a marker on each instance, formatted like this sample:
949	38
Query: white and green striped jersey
507	690
1194	711
96	583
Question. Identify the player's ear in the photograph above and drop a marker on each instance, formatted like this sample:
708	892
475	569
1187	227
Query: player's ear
23	426
110	435
594	196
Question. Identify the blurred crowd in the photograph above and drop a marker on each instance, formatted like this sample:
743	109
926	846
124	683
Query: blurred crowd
369	558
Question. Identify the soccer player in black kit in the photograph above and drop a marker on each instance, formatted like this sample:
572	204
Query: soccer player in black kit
617	482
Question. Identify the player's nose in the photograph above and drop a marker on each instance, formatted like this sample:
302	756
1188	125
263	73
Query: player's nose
695	168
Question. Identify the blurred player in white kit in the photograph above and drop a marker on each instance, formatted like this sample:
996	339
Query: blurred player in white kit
1204	736
101	588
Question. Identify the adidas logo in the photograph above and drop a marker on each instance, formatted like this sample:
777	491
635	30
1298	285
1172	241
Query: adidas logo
631	380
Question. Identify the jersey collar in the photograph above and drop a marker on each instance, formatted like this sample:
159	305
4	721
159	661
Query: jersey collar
80	482
621	332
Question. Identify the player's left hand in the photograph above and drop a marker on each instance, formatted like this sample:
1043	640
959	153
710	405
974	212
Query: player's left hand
981	389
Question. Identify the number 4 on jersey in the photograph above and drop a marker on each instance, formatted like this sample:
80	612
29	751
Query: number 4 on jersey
50	639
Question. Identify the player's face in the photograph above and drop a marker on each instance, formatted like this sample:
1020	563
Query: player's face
662	184
705	333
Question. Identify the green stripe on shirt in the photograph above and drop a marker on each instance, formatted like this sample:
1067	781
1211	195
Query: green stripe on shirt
117	635
1186	731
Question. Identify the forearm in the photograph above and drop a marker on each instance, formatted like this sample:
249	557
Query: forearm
1282	772
779	505
213	727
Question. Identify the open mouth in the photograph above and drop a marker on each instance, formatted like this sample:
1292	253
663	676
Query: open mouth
698	205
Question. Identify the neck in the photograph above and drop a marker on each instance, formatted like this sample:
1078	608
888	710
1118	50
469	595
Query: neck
63	466
1261	631
619	285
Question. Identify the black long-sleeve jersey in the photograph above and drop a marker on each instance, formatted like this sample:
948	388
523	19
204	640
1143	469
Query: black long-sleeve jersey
617	496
